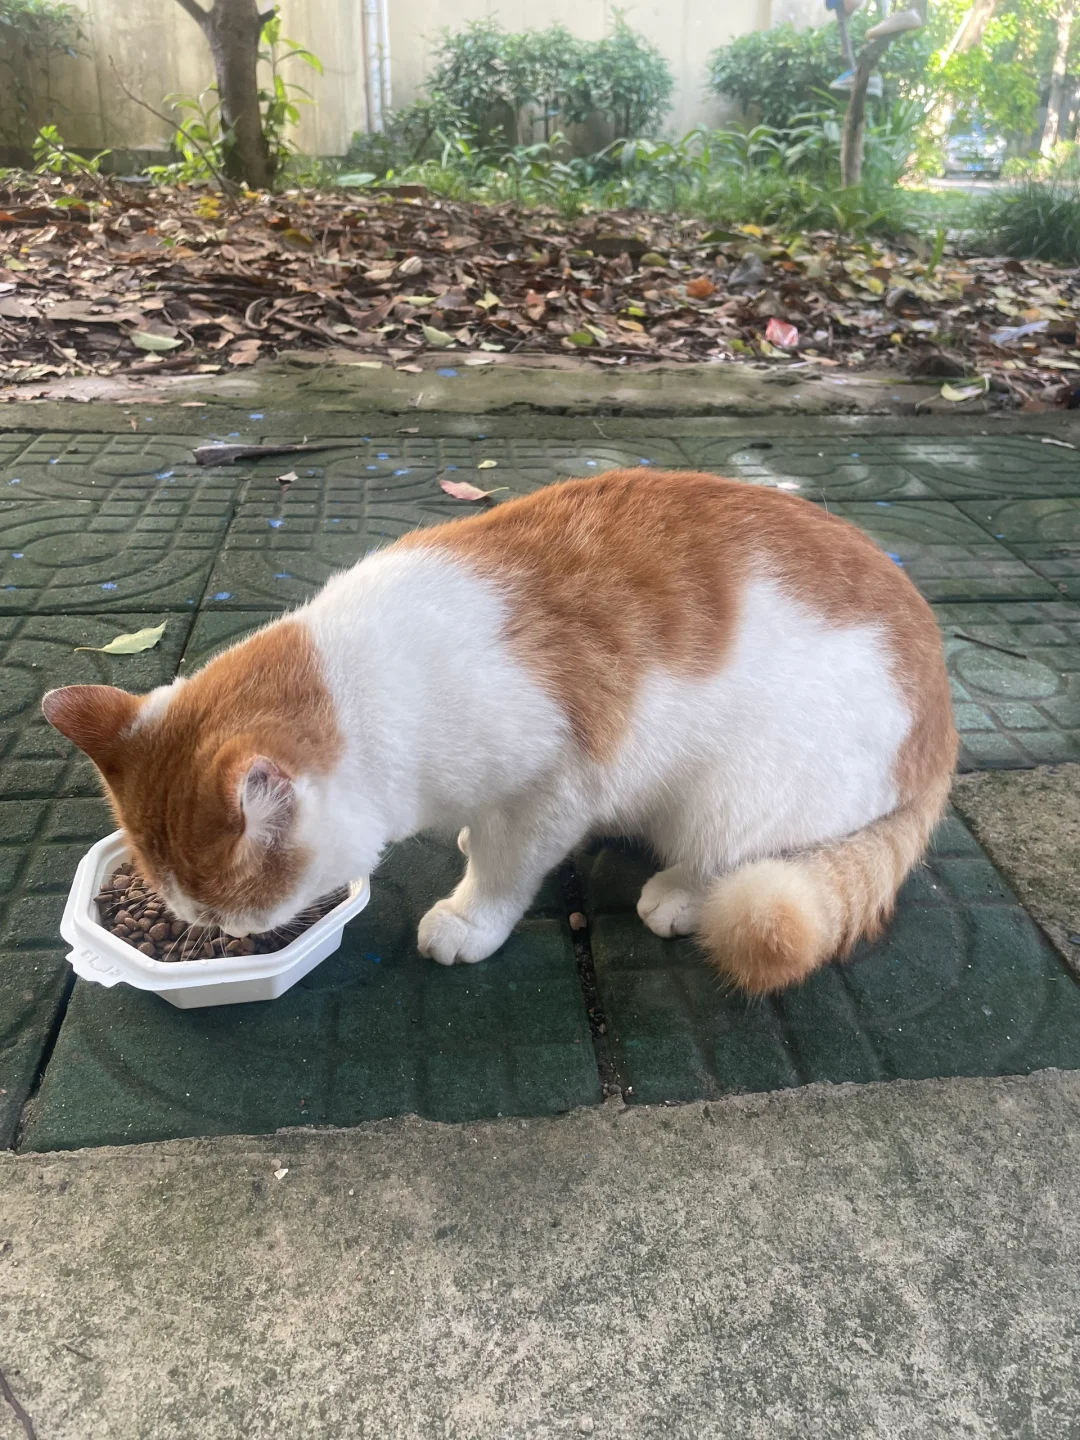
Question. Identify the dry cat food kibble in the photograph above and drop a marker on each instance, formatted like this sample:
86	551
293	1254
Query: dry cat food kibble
133	912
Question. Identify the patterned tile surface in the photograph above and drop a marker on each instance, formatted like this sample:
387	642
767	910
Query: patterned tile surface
963	983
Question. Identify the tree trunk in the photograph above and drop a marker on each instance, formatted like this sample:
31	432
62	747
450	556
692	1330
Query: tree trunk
971	29
1056	104
851	140
232	29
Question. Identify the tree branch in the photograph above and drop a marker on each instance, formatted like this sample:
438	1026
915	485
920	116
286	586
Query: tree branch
197	13
227	186
851	141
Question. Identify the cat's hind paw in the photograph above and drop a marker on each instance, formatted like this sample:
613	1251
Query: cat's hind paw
446	936
669	906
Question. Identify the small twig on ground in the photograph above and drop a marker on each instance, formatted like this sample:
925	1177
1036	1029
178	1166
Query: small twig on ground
989	644
228	188
20	1414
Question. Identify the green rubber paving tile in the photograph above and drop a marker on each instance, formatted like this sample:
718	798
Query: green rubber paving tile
41	842
1044	534
150	551
947	555
893	468
283	545
373	1031
213	630
963	983
1027	522
101	467
1015	677
32	991
37	653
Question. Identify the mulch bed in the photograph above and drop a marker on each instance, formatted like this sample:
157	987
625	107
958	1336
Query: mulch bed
103	277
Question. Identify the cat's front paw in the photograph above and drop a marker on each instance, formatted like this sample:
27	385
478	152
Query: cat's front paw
446	936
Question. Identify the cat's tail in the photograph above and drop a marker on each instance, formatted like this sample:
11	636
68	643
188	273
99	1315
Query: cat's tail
770	923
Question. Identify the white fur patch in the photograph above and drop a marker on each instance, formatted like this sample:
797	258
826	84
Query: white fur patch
154	705
790	744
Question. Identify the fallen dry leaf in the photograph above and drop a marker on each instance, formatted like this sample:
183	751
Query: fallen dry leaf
245	352
439	339
462	490
133	644
149	340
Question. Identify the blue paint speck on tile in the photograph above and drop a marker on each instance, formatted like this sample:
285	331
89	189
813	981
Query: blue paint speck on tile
223	595
402	472
335	522
283	575
312	472
164	474
275	524
885	504
381	455
109	585
375	959
895	558
590	462
448	373
53	461
234	434
451	467
17	554
189	602
1000	537
371	467
481	437
255	415
16	481
11	587
643	461
854	454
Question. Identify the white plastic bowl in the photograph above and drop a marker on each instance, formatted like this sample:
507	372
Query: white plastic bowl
100	956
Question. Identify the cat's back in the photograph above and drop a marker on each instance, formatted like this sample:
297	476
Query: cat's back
672	552
612	579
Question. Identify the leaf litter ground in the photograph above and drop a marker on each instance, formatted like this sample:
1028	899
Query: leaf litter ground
110	277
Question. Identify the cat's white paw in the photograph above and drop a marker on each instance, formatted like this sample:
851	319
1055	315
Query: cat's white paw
449	938
668	906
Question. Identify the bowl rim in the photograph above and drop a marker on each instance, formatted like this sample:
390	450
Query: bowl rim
80	926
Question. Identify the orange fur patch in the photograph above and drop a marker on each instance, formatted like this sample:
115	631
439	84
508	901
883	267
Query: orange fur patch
174	778
613	575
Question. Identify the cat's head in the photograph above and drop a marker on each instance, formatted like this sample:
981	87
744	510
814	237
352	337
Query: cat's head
218	782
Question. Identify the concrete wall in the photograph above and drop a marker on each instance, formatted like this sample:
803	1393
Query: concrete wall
159	50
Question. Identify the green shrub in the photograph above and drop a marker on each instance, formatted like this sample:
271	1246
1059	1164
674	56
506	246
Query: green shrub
486	86
410	137
626	80
1035	220
779	73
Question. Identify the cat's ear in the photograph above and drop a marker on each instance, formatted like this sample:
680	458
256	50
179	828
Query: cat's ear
93	717
267	800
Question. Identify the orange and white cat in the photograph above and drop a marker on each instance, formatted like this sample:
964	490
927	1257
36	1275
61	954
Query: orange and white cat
740	679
